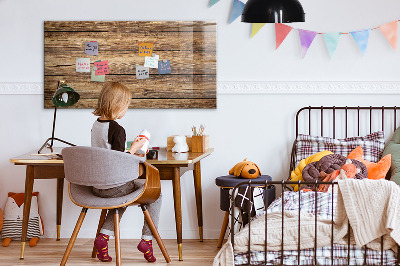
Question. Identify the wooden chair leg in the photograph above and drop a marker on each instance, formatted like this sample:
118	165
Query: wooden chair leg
154	230
223	229
101	222
73	237
117	238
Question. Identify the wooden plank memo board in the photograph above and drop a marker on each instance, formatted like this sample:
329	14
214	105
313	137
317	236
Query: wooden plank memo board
190	46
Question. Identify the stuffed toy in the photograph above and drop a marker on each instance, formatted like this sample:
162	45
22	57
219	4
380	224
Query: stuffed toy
13	215
180	144
375	170
245	169
1	220
296	174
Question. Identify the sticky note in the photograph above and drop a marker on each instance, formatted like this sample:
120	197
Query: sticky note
164	67
99	78
151	62
145	48
142	72
83	65
102	68
91	48
156	56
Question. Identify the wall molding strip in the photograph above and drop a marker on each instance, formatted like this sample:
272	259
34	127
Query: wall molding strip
259	87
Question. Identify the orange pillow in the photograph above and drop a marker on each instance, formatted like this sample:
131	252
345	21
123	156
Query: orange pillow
375	170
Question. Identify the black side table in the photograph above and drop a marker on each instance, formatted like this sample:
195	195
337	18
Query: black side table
226	183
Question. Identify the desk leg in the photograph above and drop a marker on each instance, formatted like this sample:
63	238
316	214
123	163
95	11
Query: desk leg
199	204
60	190
27	206
176	182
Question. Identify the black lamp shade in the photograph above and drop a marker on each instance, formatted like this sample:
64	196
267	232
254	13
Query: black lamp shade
273	11
65	96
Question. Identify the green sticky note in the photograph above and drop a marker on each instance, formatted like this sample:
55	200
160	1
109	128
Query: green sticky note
99	78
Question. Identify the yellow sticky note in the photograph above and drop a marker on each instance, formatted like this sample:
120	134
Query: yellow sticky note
145	48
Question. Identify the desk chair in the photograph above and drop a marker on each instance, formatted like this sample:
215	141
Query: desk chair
85	167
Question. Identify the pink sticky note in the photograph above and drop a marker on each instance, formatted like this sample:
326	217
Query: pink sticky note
102	68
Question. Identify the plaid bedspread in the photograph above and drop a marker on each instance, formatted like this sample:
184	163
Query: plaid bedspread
322	205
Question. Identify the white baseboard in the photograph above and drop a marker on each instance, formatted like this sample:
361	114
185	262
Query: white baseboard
260	87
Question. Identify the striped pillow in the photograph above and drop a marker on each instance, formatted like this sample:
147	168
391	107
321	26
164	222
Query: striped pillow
372	145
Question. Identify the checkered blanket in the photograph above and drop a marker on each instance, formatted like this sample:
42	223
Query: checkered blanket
323	205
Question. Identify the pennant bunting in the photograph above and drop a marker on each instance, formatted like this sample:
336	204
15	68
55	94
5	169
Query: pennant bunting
389	30
332	41
281	31
306	39
213	2
237	9
361	38
256	27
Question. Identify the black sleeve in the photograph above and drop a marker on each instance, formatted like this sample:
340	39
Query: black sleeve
116	136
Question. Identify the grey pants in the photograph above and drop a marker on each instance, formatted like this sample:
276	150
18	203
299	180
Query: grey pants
153	208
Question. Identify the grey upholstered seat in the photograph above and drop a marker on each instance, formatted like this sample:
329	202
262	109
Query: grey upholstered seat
83	196
85	167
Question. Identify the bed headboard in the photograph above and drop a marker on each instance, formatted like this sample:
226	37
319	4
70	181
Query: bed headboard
344	121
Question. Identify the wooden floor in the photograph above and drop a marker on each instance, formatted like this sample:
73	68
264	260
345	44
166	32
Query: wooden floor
50	252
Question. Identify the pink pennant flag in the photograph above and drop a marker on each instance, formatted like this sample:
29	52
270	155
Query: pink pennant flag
306	39
389	30
281	31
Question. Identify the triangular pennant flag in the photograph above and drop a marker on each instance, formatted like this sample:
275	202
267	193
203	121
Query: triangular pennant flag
306	39
390	32
281	31
213	2
361	37
255	28
332	41
237	9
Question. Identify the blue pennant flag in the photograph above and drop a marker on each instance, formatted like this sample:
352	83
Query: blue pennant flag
237	9
213	2
361	38
332	41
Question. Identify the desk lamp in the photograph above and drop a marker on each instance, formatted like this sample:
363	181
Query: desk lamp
64	96
273	11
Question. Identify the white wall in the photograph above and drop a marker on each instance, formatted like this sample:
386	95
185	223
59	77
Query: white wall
259	127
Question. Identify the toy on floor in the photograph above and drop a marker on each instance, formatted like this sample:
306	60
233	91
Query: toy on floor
1	219
245	169
13	215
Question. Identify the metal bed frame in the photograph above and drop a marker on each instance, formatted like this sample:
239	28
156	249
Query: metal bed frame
283	184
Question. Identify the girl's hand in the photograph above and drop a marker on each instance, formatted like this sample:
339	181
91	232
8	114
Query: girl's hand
137	144
142	155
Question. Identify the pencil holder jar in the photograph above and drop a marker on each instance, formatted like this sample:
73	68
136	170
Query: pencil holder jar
200	143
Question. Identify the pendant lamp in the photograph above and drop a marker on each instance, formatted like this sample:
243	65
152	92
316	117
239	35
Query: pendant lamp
64	96
272	11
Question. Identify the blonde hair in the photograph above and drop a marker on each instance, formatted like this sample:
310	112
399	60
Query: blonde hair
113	98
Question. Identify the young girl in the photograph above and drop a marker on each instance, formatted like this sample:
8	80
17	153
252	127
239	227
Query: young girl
107	133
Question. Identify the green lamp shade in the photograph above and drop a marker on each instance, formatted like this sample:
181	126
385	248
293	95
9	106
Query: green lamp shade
65	96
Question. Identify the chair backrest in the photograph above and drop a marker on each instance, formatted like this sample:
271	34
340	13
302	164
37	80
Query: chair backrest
92	166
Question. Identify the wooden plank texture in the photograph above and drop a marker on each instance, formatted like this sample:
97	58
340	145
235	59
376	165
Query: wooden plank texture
190	45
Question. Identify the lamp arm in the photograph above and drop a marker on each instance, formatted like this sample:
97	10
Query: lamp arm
54	126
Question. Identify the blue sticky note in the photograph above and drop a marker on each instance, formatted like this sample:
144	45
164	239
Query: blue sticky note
164	67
